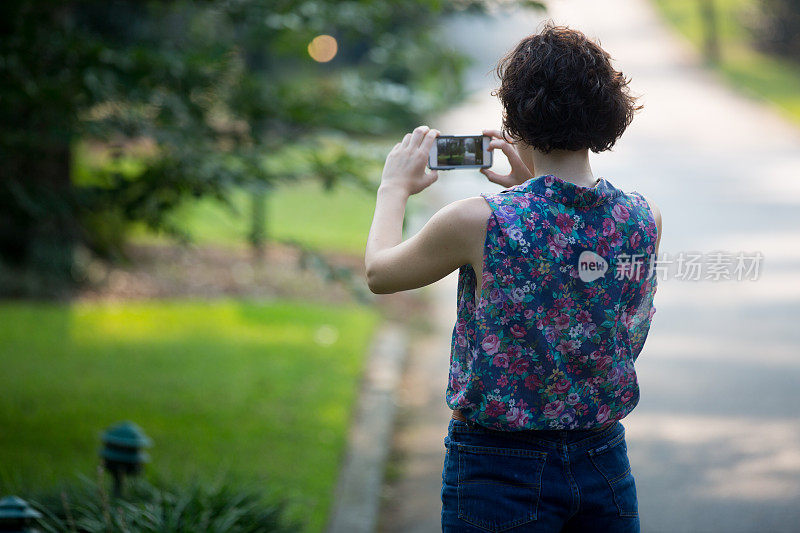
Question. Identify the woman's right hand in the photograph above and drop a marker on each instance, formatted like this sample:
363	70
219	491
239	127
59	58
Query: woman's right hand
519	172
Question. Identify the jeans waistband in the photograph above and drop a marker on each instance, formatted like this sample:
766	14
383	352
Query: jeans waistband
554	439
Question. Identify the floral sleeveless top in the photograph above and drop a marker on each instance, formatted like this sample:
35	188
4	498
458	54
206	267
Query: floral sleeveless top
566	302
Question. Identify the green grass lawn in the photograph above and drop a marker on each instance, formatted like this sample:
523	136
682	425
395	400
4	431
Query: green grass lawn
258	391
336	220
772	79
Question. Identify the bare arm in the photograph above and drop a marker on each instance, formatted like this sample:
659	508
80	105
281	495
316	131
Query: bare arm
440	246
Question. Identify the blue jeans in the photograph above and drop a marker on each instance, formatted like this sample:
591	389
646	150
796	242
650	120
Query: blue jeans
537	481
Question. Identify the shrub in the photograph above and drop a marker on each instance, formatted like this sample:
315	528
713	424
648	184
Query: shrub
214	507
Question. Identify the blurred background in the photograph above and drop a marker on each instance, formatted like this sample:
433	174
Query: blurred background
185	196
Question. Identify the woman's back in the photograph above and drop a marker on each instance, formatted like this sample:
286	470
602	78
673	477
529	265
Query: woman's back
562	310
548	340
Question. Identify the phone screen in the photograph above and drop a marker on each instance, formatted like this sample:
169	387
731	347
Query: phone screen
455	151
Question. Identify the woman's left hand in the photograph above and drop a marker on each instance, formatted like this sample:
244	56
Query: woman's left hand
405	165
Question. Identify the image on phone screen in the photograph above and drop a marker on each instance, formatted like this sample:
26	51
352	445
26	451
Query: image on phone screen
457	151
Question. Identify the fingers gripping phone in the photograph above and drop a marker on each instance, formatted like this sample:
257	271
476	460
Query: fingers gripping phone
460	151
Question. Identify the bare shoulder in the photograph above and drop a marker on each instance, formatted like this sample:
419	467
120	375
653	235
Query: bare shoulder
465	223
470	214
474	212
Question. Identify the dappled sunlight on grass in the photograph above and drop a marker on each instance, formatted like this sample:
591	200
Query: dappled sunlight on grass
97	324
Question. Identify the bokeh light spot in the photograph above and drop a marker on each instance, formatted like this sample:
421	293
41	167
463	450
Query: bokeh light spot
323	48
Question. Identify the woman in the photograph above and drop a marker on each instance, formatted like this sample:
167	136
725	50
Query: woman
555	298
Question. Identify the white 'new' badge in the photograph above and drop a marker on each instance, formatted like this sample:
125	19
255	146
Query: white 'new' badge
591	266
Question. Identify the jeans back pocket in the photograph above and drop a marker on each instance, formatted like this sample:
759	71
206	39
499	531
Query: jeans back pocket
611	460
498	488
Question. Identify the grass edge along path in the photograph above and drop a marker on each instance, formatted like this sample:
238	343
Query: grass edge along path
770	79
258	391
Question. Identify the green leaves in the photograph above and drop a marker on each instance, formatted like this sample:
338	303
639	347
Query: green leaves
219	88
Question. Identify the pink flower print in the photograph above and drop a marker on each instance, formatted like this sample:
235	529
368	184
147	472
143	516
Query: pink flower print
590	231
626	397
514	352
590	330
626	319
461	327
461	340
518	367
634	239
603	362
549	180
620	213
560	240
502	381
562	321
516	417
490	344
553	409
583	316
603	413
566	347
563	303
608	227
495	409
564	221
522	419
602	247
550	334
561	386
529	313
518	331
500	360
533	382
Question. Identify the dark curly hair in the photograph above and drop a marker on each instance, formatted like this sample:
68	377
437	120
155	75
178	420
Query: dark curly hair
559	91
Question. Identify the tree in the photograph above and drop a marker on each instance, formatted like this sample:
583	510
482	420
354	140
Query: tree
218	91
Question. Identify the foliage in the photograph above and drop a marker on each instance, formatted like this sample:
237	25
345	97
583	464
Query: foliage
777	29
222	506
214	90
224	388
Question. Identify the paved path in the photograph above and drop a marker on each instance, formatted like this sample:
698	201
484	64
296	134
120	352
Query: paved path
715	440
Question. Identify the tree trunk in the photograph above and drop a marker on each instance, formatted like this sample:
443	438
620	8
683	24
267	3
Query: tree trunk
37	226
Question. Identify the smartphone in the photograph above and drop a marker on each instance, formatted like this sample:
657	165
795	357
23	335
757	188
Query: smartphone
460	151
